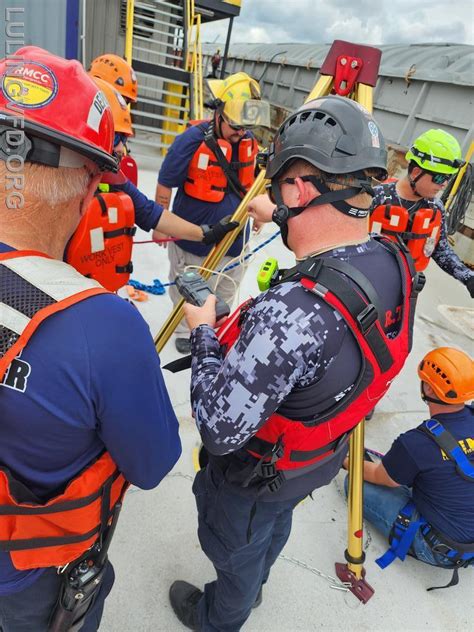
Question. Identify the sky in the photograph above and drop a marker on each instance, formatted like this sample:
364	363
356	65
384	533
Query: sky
362	21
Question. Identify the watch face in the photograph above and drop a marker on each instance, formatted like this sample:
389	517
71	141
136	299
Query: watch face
429	246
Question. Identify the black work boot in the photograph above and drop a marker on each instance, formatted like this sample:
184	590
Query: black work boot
184	598
183	345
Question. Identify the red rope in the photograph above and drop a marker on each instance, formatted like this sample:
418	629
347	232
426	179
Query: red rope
156	241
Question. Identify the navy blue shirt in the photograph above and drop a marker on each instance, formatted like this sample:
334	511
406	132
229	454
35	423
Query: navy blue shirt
147	212
442	496
173	173
93	382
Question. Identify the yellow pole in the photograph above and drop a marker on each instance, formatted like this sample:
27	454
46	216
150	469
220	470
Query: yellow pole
364	96
129	31
459	177
355	554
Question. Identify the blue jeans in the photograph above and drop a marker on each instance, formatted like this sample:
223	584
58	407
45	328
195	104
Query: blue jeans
242	536
381	508
30	610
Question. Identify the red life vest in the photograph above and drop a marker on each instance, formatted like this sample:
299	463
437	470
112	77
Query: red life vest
57	531
420	231
288	447
206	179
128	167
101	247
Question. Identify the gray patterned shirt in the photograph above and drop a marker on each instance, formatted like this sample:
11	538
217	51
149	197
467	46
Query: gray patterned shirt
443	254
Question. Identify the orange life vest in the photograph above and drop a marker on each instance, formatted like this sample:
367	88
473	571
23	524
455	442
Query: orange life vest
57	531
101	247
206	179
420	231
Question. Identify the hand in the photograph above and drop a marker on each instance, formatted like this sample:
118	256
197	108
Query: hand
257	226
205	315
345	463
470	286
157	236
215	233
260	209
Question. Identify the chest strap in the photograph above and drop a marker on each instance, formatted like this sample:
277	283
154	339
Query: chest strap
448	444
230	173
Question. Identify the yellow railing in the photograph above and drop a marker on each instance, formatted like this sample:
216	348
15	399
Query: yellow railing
194	59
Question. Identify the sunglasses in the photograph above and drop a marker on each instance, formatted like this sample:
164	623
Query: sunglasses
120	138
280	182
439	178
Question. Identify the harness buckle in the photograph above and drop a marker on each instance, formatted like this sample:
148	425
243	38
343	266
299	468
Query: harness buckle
274	485
267	470
367	317
419	281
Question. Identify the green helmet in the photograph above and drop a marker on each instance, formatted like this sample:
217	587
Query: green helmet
437	151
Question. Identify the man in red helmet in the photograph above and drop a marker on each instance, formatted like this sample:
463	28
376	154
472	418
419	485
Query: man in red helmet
68	448
420	495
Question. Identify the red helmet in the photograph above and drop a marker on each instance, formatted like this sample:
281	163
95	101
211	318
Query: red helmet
59	107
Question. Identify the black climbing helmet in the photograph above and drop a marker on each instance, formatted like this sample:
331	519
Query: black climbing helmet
333	133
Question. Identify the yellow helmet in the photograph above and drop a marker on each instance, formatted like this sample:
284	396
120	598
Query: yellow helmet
238	98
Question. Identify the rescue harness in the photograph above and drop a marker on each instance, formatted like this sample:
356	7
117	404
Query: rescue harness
36	533
301	435
420	230
212	173
456	554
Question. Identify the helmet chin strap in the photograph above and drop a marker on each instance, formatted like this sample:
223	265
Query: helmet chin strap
413	182
283	213
433	400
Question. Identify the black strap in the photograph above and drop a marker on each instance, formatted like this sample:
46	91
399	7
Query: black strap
102	204
447	443
179	365
128	231
126	269
41	543
453	582
231	176
67	505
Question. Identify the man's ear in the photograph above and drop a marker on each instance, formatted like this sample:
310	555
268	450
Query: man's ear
306	191
94	183
415	172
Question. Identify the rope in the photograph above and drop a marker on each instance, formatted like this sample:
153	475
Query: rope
159	288
460	204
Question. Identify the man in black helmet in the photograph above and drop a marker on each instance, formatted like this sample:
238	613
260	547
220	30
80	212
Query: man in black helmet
302	365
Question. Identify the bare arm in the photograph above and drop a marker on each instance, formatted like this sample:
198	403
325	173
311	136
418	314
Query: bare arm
163	196
375	473
171	224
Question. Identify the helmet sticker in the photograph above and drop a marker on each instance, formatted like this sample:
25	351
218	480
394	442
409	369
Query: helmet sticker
30	84
97	109
374	131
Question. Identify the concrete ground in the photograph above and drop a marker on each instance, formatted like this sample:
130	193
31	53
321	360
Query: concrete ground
156	540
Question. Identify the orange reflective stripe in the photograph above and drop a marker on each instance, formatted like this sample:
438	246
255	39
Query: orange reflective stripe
15	254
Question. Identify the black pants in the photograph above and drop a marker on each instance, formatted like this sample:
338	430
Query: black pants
30	610
242	536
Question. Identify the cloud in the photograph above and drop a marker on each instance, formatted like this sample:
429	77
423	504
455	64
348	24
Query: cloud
364	21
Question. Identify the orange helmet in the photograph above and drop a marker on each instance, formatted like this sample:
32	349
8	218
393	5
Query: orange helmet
61	110
120	112
450	373
118	73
